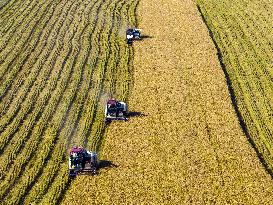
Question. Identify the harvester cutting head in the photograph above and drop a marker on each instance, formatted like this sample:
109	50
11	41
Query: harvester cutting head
115	110
82	161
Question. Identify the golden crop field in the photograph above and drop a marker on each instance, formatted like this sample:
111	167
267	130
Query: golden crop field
186	146
243	32
183	144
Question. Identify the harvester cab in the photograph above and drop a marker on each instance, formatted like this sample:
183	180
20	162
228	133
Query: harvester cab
132	34
82	161
115	110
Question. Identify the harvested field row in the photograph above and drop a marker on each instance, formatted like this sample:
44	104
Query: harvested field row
59	61
3	3
185	145
243	32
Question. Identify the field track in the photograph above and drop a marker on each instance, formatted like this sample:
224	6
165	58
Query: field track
185	144
61	59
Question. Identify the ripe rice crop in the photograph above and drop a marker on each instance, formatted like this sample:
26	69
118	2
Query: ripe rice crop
183	143
61	59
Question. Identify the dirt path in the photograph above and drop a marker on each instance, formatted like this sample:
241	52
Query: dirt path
187	145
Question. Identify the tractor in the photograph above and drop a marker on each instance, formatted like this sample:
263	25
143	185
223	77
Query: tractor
82	161
115	110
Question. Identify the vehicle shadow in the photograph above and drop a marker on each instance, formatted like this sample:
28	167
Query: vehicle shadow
103	164
143	37
136	114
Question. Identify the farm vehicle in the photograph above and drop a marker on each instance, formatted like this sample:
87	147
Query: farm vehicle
115	110
132	34
82	161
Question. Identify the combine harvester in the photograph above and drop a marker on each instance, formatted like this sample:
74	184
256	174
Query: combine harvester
115	110
82	161
132	34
